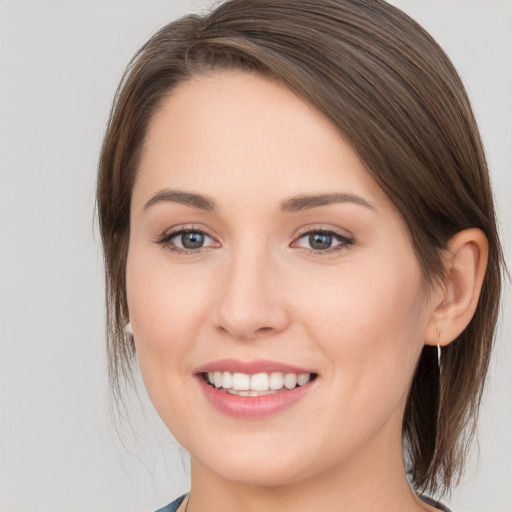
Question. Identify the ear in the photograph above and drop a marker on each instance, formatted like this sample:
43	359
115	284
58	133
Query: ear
455	302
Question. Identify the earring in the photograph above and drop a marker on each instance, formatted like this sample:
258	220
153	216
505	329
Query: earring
438	350
128	329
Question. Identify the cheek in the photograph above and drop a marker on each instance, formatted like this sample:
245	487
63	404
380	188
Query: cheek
164	312
166	319
358	300
370	325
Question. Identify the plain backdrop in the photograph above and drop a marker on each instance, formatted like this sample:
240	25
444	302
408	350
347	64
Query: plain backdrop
60	62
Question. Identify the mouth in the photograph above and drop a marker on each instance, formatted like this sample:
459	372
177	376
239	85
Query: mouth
258	384
254	390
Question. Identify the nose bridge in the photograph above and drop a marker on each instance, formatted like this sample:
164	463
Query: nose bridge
251	303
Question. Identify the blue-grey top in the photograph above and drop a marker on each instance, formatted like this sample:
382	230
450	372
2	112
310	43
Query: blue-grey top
172	507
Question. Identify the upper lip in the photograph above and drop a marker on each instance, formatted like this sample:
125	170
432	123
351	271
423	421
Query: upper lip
250	367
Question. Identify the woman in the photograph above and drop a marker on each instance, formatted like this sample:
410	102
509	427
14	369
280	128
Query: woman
301	252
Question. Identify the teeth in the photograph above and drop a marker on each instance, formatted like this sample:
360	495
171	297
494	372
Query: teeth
248	393
303	378
227	380
290	380
276	380
241	381
258	384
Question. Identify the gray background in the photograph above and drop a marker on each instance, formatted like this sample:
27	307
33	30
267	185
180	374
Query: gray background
60	62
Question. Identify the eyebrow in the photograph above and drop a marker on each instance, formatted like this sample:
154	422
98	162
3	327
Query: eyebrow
293	204
305	202
187	198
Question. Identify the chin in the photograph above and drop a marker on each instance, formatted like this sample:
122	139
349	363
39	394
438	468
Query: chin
266	472
268	462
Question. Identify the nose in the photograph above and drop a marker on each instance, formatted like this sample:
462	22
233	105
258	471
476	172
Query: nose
251	299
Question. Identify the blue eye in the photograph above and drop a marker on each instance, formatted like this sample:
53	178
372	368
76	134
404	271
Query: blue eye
185	240
191	240
320	241
323	241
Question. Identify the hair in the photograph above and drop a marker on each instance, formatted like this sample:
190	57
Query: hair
395	96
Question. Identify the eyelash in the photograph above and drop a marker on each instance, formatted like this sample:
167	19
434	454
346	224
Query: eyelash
165	241
344	241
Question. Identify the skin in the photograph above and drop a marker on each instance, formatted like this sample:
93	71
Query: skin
359	317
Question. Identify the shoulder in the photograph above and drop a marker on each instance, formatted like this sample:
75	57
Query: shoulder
172	507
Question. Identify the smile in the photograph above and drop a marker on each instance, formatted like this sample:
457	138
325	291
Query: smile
254	390
259	384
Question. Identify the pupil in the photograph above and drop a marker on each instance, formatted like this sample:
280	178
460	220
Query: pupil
320	241
192	240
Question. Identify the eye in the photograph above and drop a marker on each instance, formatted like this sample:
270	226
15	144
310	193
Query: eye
186	240
321	241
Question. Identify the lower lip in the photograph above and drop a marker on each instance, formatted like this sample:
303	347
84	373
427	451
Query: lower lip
253	407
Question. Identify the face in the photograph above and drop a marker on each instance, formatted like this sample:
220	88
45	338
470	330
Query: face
261	254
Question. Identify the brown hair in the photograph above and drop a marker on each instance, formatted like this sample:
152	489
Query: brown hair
396	97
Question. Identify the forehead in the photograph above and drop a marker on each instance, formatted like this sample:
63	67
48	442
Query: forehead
251	133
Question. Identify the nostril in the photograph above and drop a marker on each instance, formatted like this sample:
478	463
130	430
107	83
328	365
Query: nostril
249	334
264	329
